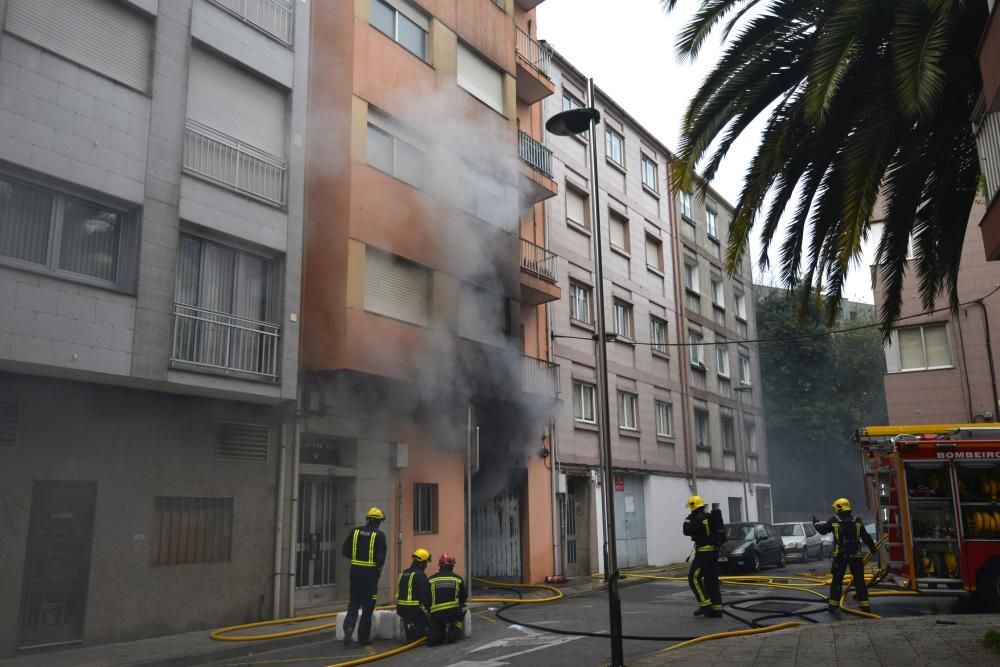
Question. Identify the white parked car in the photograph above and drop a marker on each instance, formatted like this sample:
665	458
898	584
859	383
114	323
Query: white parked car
801	540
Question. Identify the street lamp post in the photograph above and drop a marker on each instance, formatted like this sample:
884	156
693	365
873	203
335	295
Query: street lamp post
576	121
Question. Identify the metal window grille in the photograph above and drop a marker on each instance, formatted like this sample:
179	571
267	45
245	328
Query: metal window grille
186	531
244	442
10	413
275	17
425	508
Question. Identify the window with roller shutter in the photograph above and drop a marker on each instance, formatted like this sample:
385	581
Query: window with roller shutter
397	288
618	231
480	78
576	208
918	348
243	442
654	253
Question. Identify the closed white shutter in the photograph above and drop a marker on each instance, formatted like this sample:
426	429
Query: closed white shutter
237	104
396	288
653	253
99	34
936	343
480	78
575	207
618	233
911	349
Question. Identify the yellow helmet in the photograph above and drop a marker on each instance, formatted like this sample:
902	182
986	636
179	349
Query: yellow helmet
694	502
421	555
841	505
375	514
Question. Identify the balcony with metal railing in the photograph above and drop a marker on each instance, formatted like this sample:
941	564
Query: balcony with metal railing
534	62
986	126
208	341
232	164
540	377
273	17
538	274
536	176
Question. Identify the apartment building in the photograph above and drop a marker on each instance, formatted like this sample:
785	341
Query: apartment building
426	388
986	124
679	425
940	367
151	179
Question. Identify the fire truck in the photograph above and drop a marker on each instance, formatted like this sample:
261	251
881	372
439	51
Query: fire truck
935	489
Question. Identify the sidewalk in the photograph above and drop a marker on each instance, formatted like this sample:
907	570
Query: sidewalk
197	648
909	642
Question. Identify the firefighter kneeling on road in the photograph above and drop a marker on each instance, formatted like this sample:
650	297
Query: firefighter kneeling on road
365	546
413	596
448	599
704	573
848	534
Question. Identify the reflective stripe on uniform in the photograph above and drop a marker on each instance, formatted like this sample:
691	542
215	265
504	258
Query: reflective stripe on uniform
370	562
836	537
697	589
449	604
408	601
707	547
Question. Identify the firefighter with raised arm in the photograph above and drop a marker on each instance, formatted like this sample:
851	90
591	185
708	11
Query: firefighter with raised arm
848	535
366	547
413	596
703	576
448	598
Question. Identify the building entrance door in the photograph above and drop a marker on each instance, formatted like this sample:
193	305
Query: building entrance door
630	521
764	504
576	523
496	536
57	567
318	548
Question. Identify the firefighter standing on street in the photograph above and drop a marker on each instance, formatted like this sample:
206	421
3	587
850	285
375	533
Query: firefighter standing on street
448	599
848	535
704	573
413	596
365	546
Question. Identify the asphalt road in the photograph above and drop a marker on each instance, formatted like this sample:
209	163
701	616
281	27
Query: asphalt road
656	609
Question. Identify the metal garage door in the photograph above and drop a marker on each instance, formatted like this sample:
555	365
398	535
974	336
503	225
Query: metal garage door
496	536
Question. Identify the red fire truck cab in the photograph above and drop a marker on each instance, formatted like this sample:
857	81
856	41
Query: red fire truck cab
935	489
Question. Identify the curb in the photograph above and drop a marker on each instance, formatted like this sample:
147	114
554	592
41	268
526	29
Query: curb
230	650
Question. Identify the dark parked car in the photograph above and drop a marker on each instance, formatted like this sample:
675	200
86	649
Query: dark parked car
750	546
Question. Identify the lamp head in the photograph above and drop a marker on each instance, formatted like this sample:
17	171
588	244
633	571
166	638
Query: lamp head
574	121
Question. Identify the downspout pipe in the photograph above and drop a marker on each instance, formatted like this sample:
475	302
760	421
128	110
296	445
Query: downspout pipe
294	516
287	428
556	525
989	357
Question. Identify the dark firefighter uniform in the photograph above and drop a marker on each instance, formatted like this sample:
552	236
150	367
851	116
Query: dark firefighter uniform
448	598
413	596
366	547
703	576
848	535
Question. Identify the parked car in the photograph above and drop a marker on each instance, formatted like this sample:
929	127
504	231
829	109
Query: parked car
801	540
750	546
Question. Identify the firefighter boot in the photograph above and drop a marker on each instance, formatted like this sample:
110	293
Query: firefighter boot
703	609
714	612
348	633
832	606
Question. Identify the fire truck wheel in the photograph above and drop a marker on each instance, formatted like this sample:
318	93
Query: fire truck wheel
988	586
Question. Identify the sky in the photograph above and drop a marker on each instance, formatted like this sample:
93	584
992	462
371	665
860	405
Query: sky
627	46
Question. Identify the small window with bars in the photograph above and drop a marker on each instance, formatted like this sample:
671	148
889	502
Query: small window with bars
425	509
187	531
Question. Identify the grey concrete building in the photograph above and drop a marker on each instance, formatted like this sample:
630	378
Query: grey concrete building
940	368
678	424
151	180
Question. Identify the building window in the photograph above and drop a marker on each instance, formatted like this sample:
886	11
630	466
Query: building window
686	209
576	208
623	319
722	358
920	348
397	288
425	509
744	369
712	222
103	36
569	102
649	176
65	235
750	431
480	78
701	433
654	253
627	411
741	305
618	227
664	421
695	348
389	152
728	433
583	402
614	145
579	303
187	531
718	293
399	21
691	277
658	334
226	311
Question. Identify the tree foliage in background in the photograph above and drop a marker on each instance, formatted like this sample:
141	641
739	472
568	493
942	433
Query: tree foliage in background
817	391
865	100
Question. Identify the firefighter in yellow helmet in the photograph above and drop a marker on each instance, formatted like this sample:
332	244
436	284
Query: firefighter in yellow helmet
366	547
703	577
413	596
848	535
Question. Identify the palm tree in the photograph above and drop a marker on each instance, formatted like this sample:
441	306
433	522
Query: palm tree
867	101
